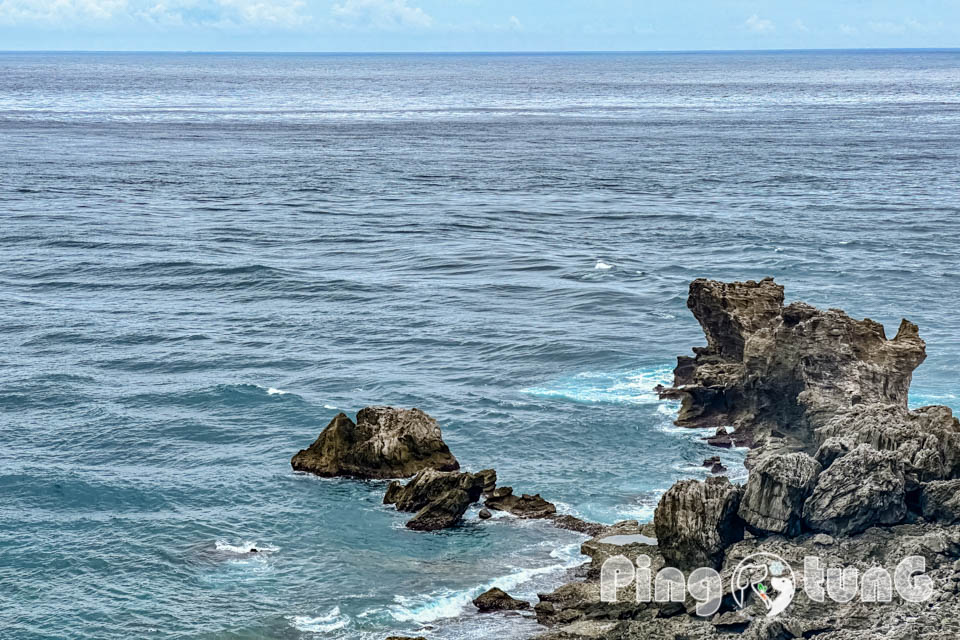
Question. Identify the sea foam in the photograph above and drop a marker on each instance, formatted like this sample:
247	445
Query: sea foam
450	603
321	624
629	387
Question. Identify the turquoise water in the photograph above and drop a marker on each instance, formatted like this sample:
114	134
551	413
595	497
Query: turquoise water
206	257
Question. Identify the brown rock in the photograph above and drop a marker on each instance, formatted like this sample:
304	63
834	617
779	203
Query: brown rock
383	443
525	506
498	600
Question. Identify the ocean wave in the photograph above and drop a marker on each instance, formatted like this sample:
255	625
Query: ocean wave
603	265
244	547
451	603
629	387
332	621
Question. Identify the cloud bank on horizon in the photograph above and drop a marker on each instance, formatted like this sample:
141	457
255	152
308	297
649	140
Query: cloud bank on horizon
473	25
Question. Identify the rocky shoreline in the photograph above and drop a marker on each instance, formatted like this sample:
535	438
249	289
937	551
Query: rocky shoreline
840	468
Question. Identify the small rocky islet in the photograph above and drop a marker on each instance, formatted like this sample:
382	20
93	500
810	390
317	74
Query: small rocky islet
839	468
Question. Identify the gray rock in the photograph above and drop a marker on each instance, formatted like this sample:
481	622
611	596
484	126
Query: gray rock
695	521
823	540
484	514
927	440
866	487
941	501
775	492
383	443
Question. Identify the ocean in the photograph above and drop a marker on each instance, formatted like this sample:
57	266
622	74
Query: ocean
205	257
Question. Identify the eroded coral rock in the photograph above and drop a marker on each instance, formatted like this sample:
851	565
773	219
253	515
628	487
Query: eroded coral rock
775	492
866	487
384	442
695	521
440	498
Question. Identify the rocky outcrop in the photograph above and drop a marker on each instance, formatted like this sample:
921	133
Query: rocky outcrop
864	488
498	600
840	469
925	440
775	492
430	484
695	521
440	498
442	513
523	506
770	367
941	501
384	442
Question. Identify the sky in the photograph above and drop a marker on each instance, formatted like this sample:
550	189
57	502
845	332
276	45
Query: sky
475	25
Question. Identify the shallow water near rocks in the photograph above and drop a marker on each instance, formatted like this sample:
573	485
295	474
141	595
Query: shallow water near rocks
207	257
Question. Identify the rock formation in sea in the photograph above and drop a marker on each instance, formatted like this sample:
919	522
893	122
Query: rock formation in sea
384	442
439	498
840	469
498	600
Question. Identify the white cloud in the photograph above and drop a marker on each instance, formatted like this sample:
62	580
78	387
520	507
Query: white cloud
217	13
381	14
515	23
759	25
848	30
17	11
283	13
799	25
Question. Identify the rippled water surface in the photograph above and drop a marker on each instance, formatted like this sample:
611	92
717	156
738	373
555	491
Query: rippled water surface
206	257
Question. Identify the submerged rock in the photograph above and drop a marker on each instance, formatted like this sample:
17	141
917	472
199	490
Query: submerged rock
498	600
385	442
695	521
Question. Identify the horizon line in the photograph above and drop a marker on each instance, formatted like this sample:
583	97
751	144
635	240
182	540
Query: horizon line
487	51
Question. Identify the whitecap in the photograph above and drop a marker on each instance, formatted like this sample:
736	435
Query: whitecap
450	603
603	265
628	387
321	624
329	406
244	547
272	391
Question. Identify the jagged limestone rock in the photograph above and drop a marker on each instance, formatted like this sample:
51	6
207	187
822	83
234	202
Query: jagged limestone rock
864	488
775	492
384	442
695	521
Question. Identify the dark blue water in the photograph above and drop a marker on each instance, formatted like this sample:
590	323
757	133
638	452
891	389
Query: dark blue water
205	257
